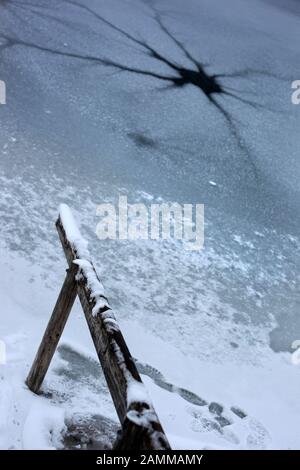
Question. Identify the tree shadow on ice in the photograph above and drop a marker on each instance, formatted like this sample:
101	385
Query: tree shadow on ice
177	76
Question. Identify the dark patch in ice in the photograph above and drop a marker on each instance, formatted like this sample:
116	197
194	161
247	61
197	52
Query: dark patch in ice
241	318
82	366
79	371
94	432
283	336
142	140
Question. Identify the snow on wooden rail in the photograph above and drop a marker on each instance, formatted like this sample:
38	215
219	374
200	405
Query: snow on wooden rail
141	428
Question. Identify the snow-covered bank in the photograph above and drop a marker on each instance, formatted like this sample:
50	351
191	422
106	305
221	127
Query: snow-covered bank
193	396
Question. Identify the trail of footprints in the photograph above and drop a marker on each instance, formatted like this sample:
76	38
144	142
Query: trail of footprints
216	409
212	416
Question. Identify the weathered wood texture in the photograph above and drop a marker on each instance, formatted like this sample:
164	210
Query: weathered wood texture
117	363
53	331
141	428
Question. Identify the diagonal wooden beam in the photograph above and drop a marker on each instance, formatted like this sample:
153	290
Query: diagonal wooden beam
141	428
53	331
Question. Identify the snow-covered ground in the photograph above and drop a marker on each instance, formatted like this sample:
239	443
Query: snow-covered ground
211	330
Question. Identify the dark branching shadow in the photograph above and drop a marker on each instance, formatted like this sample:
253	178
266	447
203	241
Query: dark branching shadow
178	76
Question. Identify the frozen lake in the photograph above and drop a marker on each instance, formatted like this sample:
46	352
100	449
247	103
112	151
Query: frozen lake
160	101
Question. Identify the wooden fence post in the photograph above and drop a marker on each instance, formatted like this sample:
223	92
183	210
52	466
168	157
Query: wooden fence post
53	331
141	428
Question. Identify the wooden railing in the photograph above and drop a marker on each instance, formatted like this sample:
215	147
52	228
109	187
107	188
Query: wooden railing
140	426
